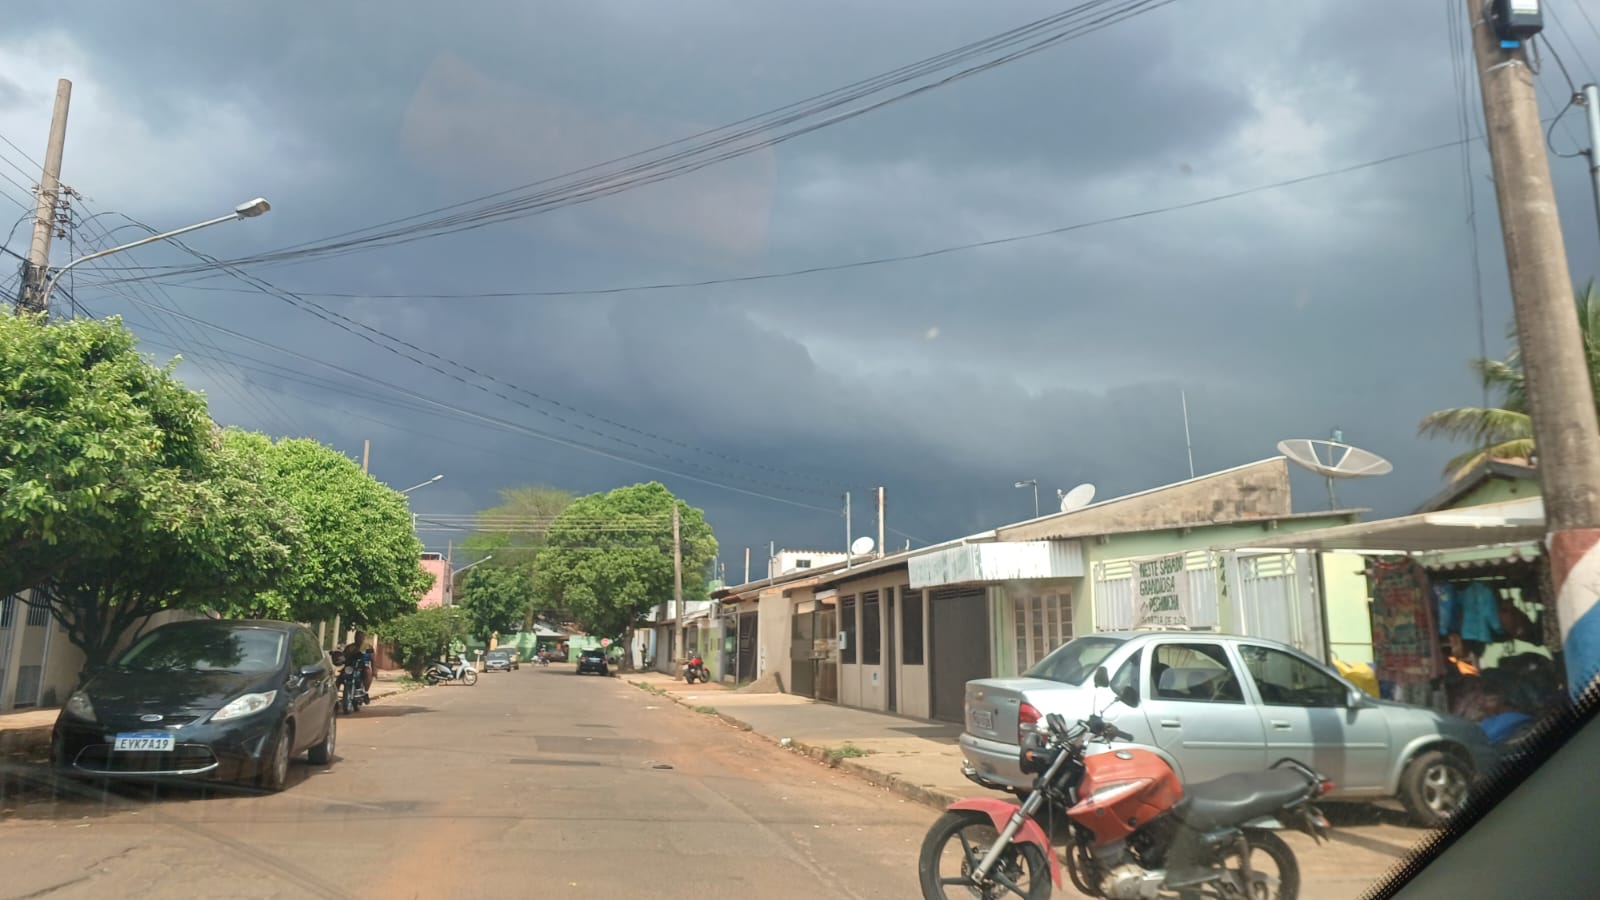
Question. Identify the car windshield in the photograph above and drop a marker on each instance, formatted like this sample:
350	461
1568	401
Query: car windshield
1074	661
499	654
206	648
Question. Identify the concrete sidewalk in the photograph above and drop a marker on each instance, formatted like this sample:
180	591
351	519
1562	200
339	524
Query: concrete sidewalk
915	758
27	732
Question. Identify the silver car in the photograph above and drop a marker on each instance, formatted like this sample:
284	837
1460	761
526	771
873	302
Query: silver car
1214	704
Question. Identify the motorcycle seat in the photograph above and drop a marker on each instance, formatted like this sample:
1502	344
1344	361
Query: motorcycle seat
1235	799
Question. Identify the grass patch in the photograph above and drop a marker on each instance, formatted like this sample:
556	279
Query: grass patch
643	686
708	710
848	751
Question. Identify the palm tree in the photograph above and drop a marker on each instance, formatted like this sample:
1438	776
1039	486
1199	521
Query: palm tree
1506	431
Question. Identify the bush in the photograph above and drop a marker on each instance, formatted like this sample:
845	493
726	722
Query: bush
418	638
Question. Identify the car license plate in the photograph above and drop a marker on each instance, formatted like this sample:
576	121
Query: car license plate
144	742
983	718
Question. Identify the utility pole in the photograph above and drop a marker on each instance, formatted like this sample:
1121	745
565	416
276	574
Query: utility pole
880	520
848	536
747	565
1591	107
1560	399
366	453
677	578
37	271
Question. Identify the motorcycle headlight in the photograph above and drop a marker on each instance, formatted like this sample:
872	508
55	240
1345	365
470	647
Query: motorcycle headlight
78	706
248	705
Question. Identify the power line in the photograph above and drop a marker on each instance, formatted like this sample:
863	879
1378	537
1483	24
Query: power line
379	337
861	263
1576	48
503	424
1463	72
745	136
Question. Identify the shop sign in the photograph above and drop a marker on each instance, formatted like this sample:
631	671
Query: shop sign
1161	591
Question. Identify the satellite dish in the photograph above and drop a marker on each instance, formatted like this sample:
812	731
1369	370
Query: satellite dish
1334	459
1077	498
862	546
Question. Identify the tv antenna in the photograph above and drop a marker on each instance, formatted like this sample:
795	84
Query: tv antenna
1077	498
1334	459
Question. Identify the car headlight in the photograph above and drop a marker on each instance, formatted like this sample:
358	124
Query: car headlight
78	706
248	705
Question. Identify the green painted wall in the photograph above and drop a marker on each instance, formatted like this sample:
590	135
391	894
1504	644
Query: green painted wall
1344	592
1498	490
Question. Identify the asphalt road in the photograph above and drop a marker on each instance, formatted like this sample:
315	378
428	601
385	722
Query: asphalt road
531	783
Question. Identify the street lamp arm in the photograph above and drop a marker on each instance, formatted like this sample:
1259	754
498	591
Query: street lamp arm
470	565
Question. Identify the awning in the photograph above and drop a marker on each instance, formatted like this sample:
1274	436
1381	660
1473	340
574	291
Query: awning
1489	525
1010	561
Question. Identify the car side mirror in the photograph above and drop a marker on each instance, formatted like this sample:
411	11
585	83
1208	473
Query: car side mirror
1355	698
1102	678
1129	696
315	670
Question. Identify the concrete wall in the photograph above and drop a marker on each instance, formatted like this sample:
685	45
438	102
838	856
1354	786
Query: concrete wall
867	686
773	625
435	595
1344	593
911	682
1498	490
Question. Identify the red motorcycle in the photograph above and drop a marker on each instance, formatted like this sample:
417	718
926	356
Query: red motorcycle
695	669
1134	831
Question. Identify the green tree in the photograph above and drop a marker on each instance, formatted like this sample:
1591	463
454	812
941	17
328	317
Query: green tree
1506	431
422	635
357	557
236	537
495	599
513	532
94	441
608	558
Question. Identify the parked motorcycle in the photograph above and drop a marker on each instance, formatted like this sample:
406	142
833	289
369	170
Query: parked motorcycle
352	685
463	671
1136	832
695	670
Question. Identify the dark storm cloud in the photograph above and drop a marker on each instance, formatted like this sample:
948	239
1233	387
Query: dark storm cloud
1341	303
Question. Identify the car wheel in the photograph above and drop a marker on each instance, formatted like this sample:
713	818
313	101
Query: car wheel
322	753
275	767
1434	787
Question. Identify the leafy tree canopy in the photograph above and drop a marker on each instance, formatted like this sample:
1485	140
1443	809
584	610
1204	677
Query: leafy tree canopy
495	599
94	440
608	557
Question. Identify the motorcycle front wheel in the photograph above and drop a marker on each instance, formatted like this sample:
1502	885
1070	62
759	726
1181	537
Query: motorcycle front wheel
470	676
1282	884
956	844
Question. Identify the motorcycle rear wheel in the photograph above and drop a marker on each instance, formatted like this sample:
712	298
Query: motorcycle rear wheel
1284	886
1022	861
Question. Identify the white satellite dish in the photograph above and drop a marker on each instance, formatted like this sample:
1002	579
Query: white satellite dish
1077	498
861	546
1334	459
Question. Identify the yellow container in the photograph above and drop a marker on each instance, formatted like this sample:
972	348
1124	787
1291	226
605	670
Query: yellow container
1359	674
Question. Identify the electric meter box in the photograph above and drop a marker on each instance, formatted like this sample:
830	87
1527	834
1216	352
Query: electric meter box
1518	20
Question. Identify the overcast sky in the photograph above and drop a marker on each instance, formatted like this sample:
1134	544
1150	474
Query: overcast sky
1340	302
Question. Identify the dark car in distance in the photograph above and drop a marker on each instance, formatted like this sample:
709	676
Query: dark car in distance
204	700
593	660
502	659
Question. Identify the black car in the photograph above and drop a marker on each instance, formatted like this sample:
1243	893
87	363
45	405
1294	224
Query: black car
593	661
501	660
204	700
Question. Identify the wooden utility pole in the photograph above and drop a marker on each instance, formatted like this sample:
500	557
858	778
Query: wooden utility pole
677	578
1560	399
36	272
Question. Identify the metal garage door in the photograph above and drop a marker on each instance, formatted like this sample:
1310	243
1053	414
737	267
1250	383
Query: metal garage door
958	647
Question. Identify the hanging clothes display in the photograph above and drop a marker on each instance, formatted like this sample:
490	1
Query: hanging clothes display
1405	637
1480	613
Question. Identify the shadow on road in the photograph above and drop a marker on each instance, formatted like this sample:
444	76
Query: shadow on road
383	711
36	791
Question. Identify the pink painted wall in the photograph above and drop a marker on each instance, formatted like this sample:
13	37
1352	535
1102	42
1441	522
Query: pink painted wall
435	595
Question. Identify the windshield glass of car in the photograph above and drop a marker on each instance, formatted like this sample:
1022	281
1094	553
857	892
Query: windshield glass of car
1074	661
499	654
205	649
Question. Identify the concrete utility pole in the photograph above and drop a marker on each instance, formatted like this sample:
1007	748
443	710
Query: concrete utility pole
677	577
366	454
848	536
747	565
37	270
880	520
1591	107
1560	398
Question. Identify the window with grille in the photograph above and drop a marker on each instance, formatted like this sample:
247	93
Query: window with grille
847	628
871	630
38	615
1043	623
910	627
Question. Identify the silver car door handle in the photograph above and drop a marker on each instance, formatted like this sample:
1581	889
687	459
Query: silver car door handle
1281	725
1169	723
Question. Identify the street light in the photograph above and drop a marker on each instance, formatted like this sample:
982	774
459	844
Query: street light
247	210
470	565
422	485
1034	482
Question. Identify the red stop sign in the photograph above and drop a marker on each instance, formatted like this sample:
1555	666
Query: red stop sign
605	642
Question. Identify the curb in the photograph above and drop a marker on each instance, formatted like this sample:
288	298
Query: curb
30	740
886	780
